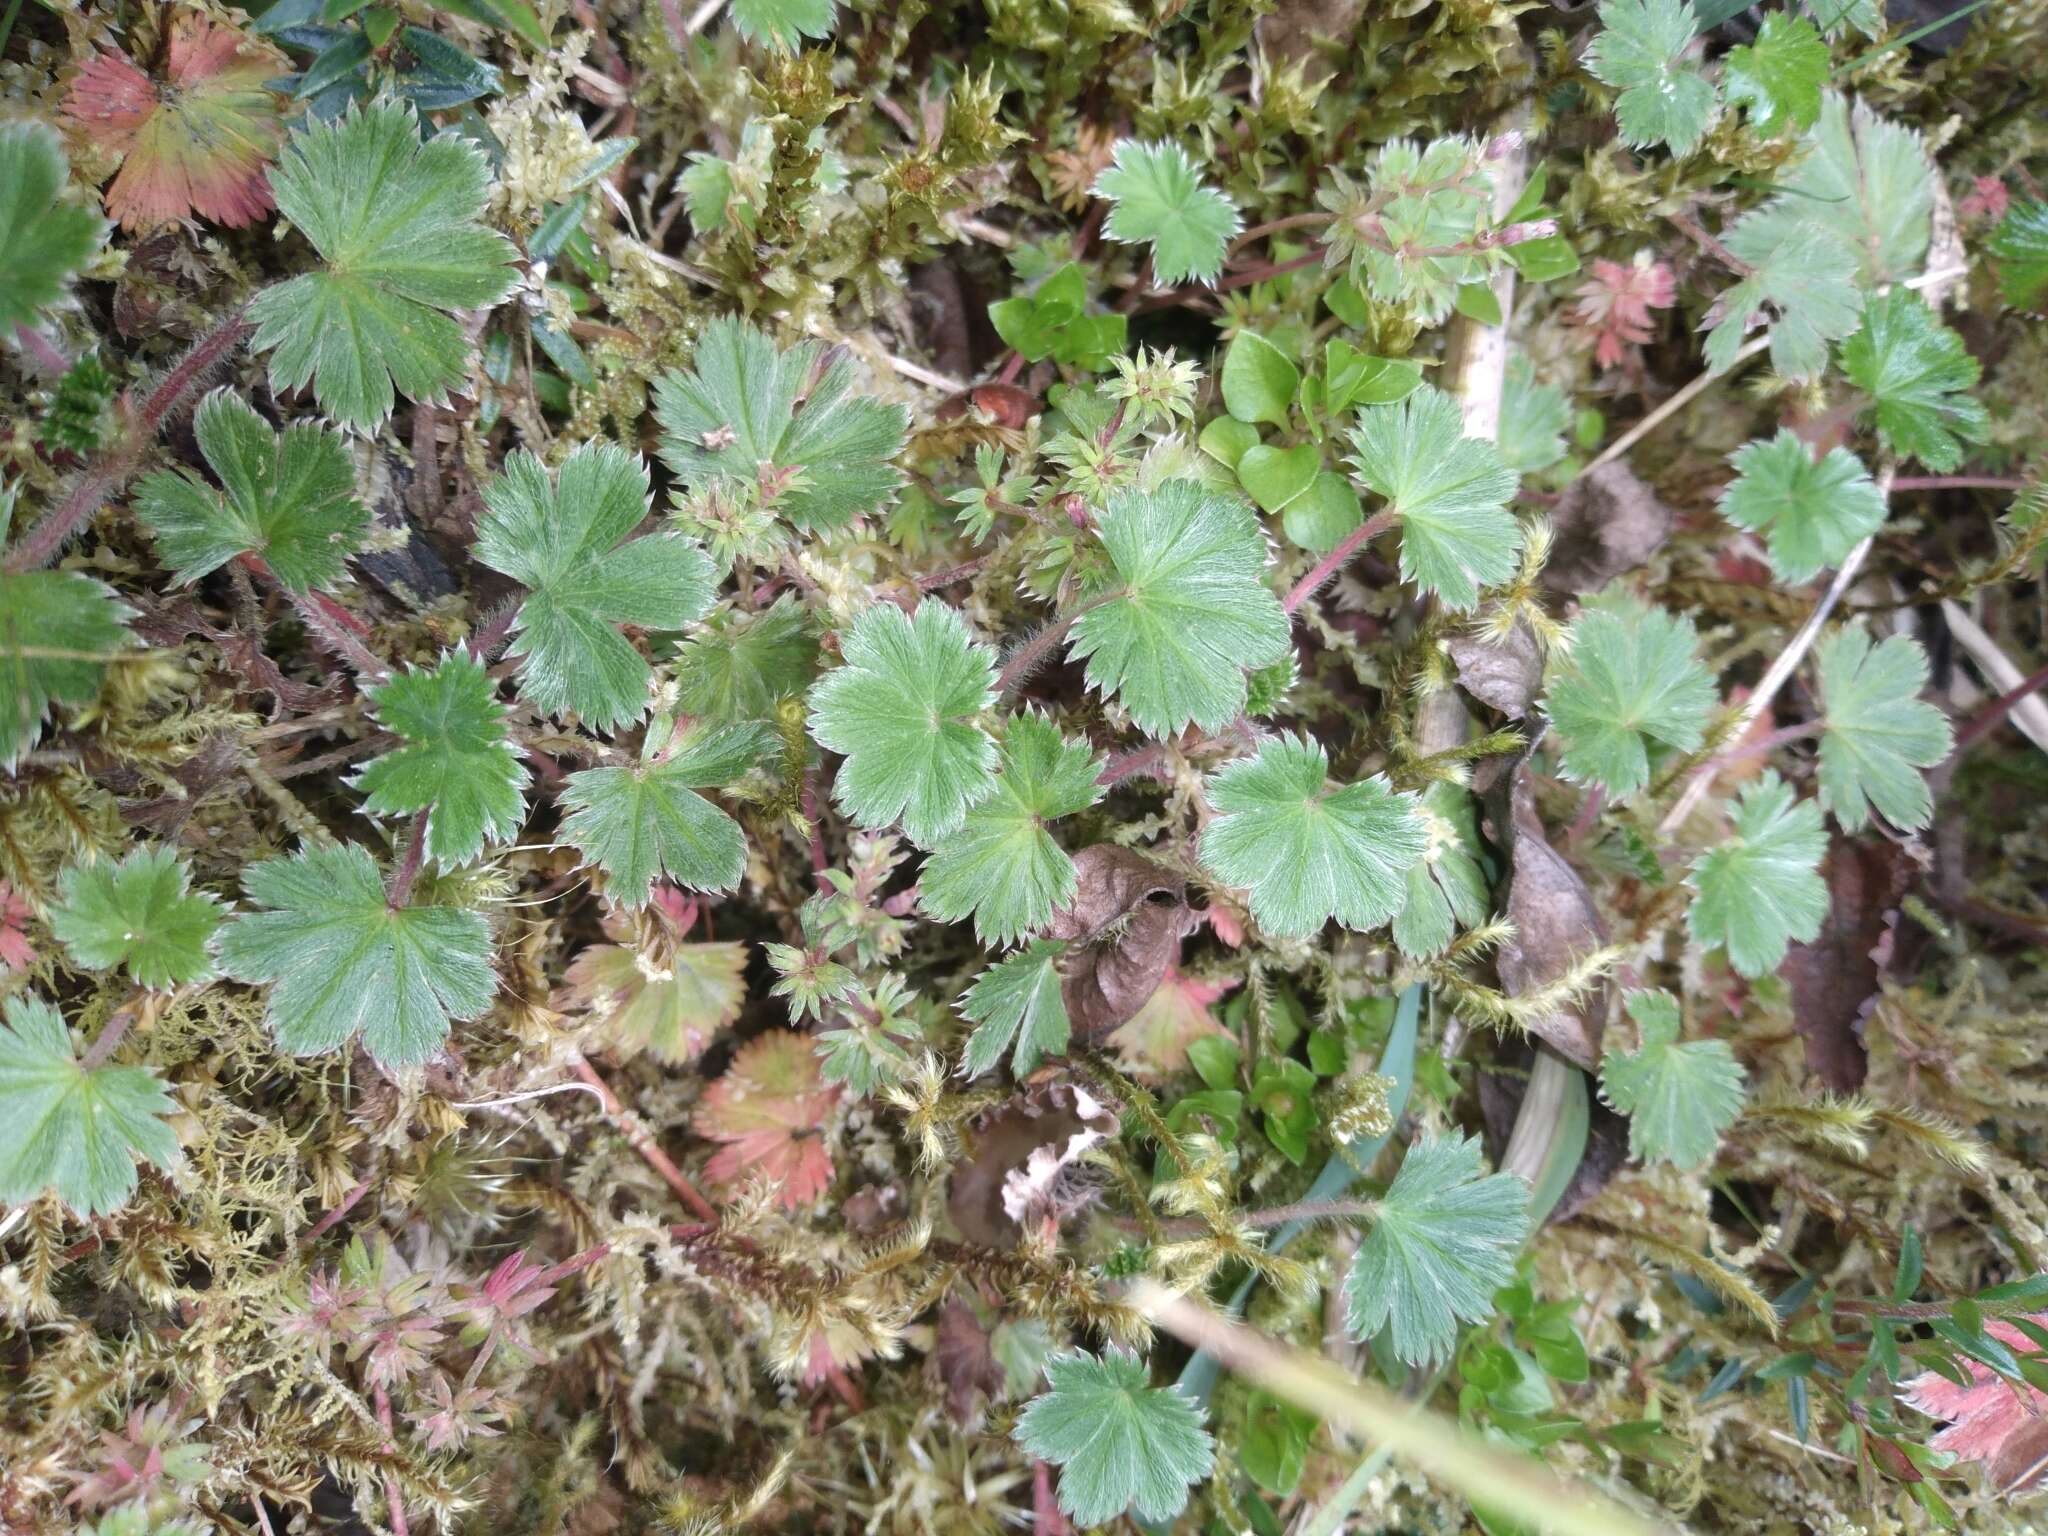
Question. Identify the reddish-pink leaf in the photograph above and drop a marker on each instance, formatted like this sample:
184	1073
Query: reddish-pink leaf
1614	305
770	1109
16	953
196	140
1156	1038
1988	1411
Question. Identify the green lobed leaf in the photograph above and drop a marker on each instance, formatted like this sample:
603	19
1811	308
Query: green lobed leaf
748	413
456	763
646	822
1190	612
2020	248
783	24
743	665
42	241
1442	1242
1157	197
340	960
561	536
1304	851
68	1128
289	497
1879	732
1918	374
1812	512
1679	1096
1118	1441
901	711
140	913
1644	48
1449	490
1779	77
1804	284
1629	682
1761	889
1447	888
1017	1002
1002	867
396	223
54	625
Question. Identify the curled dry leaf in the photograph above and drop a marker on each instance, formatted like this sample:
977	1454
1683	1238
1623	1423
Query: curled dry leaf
1505	673
1556	924
195	141
1126	924
1020	1156
650	991
965	1360
1835	979
1606	523
770	1110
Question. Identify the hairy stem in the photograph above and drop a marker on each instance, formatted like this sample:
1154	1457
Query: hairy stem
643	1143
408	868
1335	560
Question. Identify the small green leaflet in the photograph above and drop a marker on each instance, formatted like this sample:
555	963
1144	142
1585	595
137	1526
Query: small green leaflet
746	413
1804	283
1447	889
783	24
396	222
456	764
66	1128
140	913
1863	182
1779	77
42	241
647	821
1156	196
1879	732
341	960
1533	419
1450	491
1811	512
289	497
902	712
1017	1000
1307	852
1630	681
1679	1096
1443	1242
741	666
1260	382
1118	1440
1192	613
1918	374
1642	50
1002	867
45	612
562	539
2020	247
1760	890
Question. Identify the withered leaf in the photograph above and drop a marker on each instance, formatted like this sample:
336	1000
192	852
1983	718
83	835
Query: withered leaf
1504	674
1607	522
966	1363
1126	924
1834	980
1556	924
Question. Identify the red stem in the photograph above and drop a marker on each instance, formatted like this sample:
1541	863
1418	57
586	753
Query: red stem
333	1218
1988	717
102	1047
391	1494
643	1143
113	468
42	349
408	870
1331	563
1958	483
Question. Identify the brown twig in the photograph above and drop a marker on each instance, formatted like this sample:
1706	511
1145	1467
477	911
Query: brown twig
1991	714
643	1143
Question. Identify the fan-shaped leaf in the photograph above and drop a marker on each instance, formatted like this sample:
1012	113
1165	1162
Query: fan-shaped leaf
1157	197
456	764
1918	374
646	821
1644	48
55	626
42	241
1780	76
1880	733
1017	1002
1118	1440
1679	1096
1629	683
1811	512
140	913
1761	889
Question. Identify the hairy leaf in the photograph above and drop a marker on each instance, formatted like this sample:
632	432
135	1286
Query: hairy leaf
1450	491
289	497
646	821
562	537
671	1014
56	628
742	666
1918	374
70	1128
196	141
1118	1440
1307	852
1879	732
1443	1241
140	913
1157	197
341	960
1016	1003
396	224
1679	1096
783	24
42	241
1811	512
456	764
1761	889
1002	867
1643	49
786	424
1804	283
769	1111
1447	888
1630	683
1190	614
2020	247
902	712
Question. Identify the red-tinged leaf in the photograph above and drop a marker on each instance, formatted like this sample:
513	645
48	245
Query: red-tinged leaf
769	1109
1614	304
1156	1038
195	140
16	953
1986	1413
